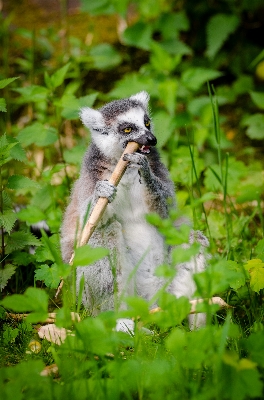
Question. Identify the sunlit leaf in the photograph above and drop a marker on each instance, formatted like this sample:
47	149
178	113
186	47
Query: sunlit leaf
21	182
219	28
5	275
86	255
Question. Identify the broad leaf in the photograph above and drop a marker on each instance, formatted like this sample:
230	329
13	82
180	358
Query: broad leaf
218	29
258	99
5	275
5	151
104	56
58	77
138	35
5	82
38	134
50	275
31	214
35	300
86	255
32	93
21	182
7	220
2	105
19	240
255	267
255	125
193	78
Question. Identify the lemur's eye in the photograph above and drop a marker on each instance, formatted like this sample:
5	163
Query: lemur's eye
127	130
147	124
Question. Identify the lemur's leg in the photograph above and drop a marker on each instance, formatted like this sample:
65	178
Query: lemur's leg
183	284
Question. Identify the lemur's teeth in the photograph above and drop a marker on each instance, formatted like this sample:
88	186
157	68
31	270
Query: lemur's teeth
145	149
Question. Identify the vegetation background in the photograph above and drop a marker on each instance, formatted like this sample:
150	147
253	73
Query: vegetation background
203	64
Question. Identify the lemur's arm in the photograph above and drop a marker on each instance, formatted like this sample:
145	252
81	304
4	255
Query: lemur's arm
160	191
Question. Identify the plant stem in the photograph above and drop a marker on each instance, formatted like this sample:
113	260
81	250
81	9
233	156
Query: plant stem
2	229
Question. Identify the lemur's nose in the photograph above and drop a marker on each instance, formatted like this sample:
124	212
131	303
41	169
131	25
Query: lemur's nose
152	141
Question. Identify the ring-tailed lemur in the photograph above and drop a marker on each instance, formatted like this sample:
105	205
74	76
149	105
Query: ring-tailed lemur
136	247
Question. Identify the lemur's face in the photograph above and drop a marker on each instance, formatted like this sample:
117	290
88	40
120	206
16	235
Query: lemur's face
135	125
120	122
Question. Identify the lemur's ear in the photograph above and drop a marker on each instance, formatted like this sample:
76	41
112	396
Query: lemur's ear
91	118
143	97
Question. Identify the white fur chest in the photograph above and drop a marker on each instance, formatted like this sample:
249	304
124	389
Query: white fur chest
143	243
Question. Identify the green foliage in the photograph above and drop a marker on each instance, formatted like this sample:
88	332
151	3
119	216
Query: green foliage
35	300
86	255
218	29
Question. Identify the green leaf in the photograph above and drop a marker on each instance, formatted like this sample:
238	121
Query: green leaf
162	61
133	83
168	93
218	277
31	214
17	152
19	240
97	7
175	310
33	299
38	134
255	267
240	381
163	127
176	48
260	247
7	81
255	125
171	23
50	275
5	275
236	275
5	151
193	78
258	99
255	346
7	202
74	155
183	254
21	182
104	56
7	220
43	198
219	28
71	105
3	105
58	77
32	93
86	255
138	35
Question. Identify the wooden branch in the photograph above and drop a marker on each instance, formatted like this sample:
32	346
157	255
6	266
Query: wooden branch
213	300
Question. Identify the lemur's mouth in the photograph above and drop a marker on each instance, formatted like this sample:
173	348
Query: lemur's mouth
144	149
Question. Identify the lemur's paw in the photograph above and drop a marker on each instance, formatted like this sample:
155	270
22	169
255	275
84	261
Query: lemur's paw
136	160
105	189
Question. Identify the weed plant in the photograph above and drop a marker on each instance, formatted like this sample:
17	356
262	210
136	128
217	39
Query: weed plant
208	116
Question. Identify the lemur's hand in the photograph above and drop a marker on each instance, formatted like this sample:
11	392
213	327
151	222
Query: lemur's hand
105	189
137	160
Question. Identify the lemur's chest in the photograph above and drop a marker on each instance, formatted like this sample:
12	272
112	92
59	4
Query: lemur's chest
142	240
130	203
